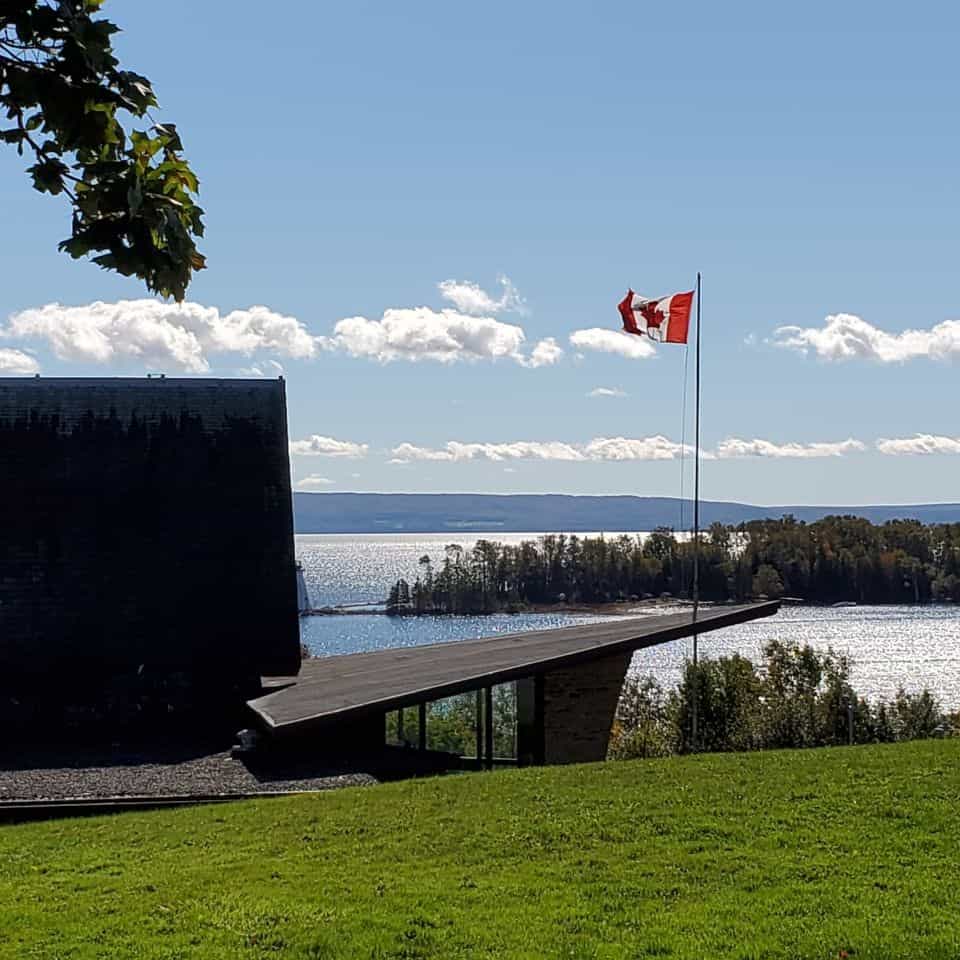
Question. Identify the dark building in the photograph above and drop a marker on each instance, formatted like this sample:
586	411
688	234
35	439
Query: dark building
145	526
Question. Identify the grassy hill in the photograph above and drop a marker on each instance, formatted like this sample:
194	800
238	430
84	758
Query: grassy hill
826	853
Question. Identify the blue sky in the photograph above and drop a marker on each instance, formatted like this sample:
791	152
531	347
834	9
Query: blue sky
354	157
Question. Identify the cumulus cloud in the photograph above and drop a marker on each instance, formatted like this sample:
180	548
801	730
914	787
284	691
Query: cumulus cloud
409	452
519	450
314	482
421	333
845	336
455	451
599	339
16	362
734	447
179	336
607	392
468	331
644	448
922	443
657	447
445	336
546	353
469	297
598	449
317	446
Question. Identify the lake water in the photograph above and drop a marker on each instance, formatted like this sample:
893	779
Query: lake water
891	646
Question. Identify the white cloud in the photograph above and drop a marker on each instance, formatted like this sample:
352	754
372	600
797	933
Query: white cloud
603	340
317	446
421	333
445	336
734	447
408	452
314	482
845	336
922	443
519	450
456	451
644	448
179	336
658	447
545	354
598	449
607	392
469	297
16	362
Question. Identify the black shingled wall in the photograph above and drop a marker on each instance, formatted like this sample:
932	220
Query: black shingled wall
145	521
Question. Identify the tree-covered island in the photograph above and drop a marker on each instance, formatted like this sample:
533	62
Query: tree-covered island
834	560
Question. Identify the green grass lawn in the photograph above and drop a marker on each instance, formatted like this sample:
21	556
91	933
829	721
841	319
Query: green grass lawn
820	853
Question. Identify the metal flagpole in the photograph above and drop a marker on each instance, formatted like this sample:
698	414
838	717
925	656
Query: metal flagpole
696	528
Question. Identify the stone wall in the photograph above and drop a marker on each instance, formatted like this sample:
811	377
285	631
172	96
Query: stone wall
579	704
144	522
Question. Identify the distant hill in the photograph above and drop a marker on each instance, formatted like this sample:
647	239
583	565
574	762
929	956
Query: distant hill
533	513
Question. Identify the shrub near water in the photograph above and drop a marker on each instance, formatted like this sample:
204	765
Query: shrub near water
797	698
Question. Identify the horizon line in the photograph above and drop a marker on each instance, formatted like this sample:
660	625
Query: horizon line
610	496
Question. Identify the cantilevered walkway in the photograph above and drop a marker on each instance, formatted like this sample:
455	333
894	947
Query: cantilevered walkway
568	681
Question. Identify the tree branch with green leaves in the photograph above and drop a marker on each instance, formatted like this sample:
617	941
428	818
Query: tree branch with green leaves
63	95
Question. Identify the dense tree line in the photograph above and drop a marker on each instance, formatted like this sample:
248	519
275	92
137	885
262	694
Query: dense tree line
832	560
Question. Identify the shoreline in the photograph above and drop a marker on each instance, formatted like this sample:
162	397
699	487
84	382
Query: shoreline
593	609
608	608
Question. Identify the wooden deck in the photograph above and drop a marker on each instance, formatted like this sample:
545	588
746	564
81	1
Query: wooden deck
331	689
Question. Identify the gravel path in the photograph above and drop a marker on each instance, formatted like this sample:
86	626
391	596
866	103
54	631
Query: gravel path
65	773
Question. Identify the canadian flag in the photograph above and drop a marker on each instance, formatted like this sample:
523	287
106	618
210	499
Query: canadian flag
666	320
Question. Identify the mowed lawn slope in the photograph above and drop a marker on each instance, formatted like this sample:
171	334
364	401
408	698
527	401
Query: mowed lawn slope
821	853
